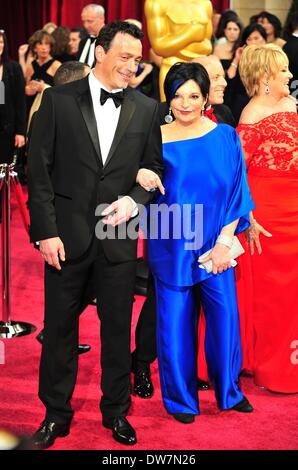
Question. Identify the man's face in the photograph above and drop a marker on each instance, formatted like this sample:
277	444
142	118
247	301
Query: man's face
74	42
120	63
92	22
217	82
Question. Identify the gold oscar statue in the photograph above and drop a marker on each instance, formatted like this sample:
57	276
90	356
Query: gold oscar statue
179	30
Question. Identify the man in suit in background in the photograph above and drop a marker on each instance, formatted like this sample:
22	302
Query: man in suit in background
291	49
89	140
93	19
145	352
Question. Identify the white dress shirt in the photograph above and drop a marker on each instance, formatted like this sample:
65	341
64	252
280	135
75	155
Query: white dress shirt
107	117
87	55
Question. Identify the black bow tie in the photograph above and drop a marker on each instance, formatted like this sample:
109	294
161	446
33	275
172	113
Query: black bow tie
116	97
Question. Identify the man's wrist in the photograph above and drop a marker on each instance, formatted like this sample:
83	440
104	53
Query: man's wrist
135	209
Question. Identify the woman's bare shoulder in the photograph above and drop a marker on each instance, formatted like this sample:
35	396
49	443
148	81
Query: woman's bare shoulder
251	114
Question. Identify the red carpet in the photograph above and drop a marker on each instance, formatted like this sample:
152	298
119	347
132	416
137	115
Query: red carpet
273	425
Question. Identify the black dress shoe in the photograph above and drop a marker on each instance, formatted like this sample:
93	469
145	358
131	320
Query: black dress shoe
122	431
47	433
82	348
185	418
143	386
202	385
243	406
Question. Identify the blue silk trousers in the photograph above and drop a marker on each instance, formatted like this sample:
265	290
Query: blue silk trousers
177	341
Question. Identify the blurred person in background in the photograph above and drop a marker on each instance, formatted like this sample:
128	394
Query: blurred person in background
76	35
93	19
13	110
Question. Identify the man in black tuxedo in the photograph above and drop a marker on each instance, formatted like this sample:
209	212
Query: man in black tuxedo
93	19
88	142
145	352
291	49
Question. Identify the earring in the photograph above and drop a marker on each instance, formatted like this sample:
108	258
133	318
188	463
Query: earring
267	89
169	117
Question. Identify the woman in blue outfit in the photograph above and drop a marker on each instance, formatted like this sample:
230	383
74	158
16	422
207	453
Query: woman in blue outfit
205	180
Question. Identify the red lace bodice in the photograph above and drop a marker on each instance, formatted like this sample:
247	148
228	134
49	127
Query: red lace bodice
271	143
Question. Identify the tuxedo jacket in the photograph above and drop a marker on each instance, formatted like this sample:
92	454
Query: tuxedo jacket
291	49
66	177
81	48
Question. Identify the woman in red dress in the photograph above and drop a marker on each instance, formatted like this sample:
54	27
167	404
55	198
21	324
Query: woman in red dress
267	287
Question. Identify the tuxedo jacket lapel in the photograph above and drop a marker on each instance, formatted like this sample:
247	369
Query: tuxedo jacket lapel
85	103
127	110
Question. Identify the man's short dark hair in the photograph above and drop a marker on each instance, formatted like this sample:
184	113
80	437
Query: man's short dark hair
70	72
83	33
181	73
109	31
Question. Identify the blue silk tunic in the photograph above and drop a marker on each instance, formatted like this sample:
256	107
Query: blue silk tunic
208	171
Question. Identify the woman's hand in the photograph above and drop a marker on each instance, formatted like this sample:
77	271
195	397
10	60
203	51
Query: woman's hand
19	140
23	49
252	235
34	86
149	180
220	257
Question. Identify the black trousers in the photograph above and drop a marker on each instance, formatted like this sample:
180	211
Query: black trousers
65	293
145	352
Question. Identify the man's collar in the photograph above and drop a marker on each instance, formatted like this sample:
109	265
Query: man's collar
97	84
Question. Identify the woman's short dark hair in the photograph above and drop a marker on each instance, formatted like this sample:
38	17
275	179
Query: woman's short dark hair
274	20
251	28
109	31
4	58
181	73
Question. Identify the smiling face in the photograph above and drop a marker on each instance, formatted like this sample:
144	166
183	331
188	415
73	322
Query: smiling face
279	83
188	103
119	64
217	82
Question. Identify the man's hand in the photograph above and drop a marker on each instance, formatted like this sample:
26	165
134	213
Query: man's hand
252	235
149	180
118	212
52	249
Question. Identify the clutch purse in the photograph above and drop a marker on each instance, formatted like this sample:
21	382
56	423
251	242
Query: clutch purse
235	251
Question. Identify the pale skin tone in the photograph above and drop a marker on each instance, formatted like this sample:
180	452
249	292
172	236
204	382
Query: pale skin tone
92	21
19	140
261	106
114	69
